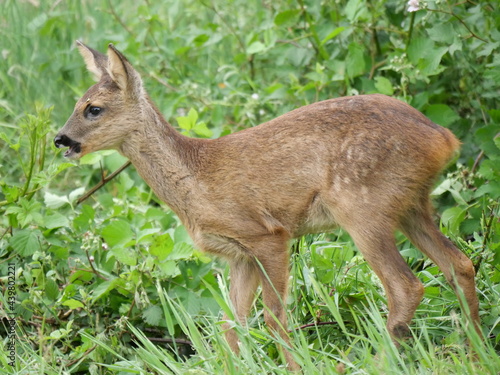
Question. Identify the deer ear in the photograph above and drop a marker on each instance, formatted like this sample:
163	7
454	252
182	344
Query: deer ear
122	73
96	62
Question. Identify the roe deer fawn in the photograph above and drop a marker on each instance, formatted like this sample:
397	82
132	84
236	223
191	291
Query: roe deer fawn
365	163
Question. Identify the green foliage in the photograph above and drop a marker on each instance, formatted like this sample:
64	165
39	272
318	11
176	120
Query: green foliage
94	280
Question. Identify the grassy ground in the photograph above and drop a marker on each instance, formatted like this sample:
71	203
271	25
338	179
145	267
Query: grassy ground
114	285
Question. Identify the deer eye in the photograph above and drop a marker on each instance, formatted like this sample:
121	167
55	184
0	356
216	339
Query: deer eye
94	111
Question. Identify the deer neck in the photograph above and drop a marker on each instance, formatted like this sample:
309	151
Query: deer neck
165	159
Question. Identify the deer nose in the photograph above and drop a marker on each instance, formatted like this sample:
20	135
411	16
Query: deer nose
61	141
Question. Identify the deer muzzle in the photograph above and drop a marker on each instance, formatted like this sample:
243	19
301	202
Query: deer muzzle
74	148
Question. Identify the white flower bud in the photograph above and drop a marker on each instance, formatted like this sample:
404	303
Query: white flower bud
413	5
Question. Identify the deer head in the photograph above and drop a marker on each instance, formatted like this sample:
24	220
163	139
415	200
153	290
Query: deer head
109	111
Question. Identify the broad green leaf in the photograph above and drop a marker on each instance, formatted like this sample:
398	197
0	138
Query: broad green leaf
169	268
91	158
452	218
105	287
492	75
5	138
495	115
192	115
11	193
80	276
255	47
117	233
486	137
497	141
58	334
490	170
152	315
76	194
26	241
430	65
442	32
432	291
27	212
418	49
125	255
442	188
441	114
333	34
356	10
355	60
457	45
56	220
162	246
182	235
73	304
55	201
85	220
181	250
383	85
189	121
287	18
184	123
424	54
202	130
488	48
51	289
201	40
189	300
63	166
145	234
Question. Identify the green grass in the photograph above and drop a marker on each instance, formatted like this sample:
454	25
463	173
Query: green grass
368	350
92	298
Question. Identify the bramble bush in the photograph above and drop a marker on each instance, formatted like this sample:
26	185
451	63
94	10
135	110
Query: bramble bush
113	284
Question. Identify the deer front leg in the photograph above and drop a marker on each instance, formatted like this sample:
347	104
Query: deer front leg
273	266
244	279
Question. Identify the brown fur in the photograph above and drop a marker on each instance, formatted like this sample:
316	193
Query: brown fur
366	163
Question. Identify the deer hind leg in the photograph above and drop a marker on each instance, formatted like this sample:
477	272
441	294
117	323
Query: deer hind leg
244	281
456	267
404	291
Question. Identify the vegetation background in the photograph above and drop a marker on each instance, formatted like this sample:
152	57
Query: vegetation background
95	280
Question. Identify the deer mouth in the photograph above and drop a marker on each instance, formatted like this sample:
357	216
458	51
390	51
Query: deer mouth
74	148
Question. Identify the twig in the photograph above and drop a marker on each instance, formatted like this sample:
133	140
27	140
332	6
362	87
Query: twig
71	363
45	319
480	156
231	29
315	324
410	32
7	230
93	268
474	35
477	160
104	181
292	42
54	6
375	67
170	341
117	18
162	82
486	238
